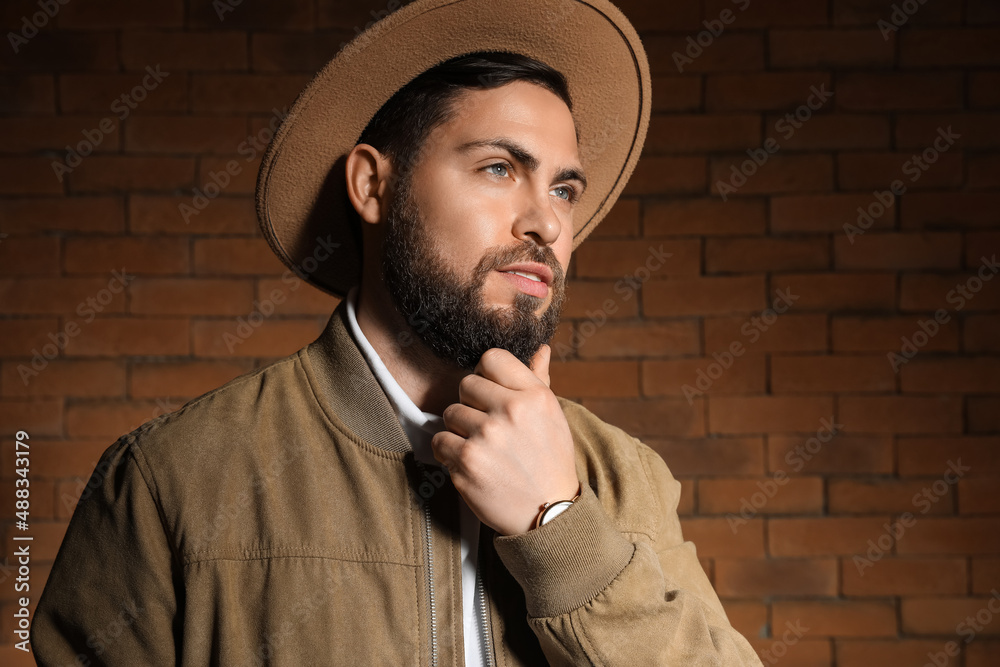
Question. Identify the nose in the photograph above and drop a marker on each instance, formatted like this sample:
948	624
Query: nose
537	220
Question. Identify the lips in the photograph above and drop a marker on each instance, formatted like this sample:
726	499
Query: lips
530	278
530	271
534	288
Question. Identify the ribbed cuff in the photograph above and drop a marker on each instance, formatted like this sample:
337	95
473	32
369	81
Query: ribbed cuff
564	564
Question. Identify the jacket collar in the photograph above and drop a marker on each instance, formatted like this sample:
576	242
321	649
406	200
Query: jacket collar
350	389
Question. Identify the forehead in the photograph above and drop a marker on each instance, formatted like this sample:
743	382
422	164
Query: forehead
522	109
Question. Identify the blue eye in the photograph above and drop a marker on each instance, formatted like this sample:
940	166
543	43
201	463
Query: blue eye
502	167
567	193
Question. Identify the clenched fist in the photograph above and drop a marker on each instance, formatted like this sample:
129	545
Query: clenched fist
507	444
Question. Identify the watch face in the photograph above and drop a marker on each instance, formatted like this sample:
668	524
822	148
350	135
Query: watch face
555	510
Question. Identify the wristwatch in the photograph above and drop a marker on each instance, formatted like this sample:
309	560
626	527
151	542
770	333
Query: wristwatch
550	511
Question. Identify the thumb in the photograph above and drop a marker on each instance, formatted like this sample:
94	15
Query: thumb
540	363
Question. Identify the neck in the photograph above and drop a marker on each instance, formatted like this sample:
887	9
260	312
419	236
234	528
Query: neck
429	381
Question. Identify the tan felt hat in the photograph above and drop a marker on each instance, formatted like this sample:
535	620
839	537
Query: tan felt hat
301	196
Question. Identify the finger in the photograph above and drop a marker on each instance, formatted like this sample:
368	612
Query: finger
481	393
446	447
540	363
505	369
463	420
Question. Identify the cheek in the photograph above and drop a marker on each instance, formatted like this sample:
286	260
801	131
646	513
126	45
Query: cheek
464	232
563	247
564	261
463	220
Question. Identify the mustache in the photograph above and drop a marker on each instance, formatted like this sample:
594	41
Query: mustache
526	251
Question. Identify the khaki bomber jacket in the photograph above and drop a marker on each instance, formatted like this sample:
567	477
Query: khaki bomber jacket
281	520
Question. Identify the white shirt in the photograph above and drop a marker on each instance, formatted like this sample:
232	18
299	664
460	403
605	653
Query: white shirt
420	427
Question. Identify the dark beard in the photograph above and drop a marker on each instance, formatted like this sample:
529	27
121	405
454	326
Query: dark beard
449	314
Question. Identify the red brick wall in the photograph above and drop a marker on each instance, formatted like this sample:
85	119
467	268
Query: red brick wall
754	438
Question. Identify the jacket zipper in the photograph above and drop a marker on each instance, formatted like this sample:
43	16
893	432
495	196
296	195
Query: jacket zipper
484	614
430	581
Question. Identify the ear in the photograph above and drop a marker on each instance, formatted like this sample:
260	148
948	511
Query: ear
368	177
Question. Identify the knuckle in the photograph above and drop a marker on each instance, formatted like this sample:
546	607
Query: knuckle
450	413
514	410
467	457
543	397
489	429
467	383
437	441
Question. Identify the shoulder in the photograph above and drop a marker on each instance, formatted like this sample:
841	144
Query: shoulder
225	431
241	403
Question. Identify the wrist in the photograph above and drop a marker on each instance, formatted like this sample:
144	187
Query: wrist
550	510
569	561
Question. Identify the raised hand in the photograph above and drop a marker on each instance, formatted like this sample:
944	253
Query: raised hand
507	444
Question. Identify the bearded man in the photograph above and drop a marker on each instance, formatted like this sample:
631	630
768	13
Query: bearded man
407	490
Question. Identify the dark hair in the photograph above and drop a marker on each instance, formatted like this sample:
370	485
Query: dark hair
400	128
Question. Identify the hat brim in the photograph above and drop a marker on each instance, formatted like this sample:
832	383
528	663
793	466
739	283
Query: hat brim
301	194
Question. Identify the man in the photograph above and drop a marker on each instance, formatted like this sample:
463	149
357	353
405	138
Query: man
407	490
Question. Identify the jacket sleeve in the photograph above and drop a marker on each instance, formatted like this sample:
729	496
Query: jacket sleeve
110	599
597	596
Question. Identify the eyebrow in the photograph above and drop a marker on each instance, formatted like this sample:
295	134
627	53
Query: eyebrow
523	156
